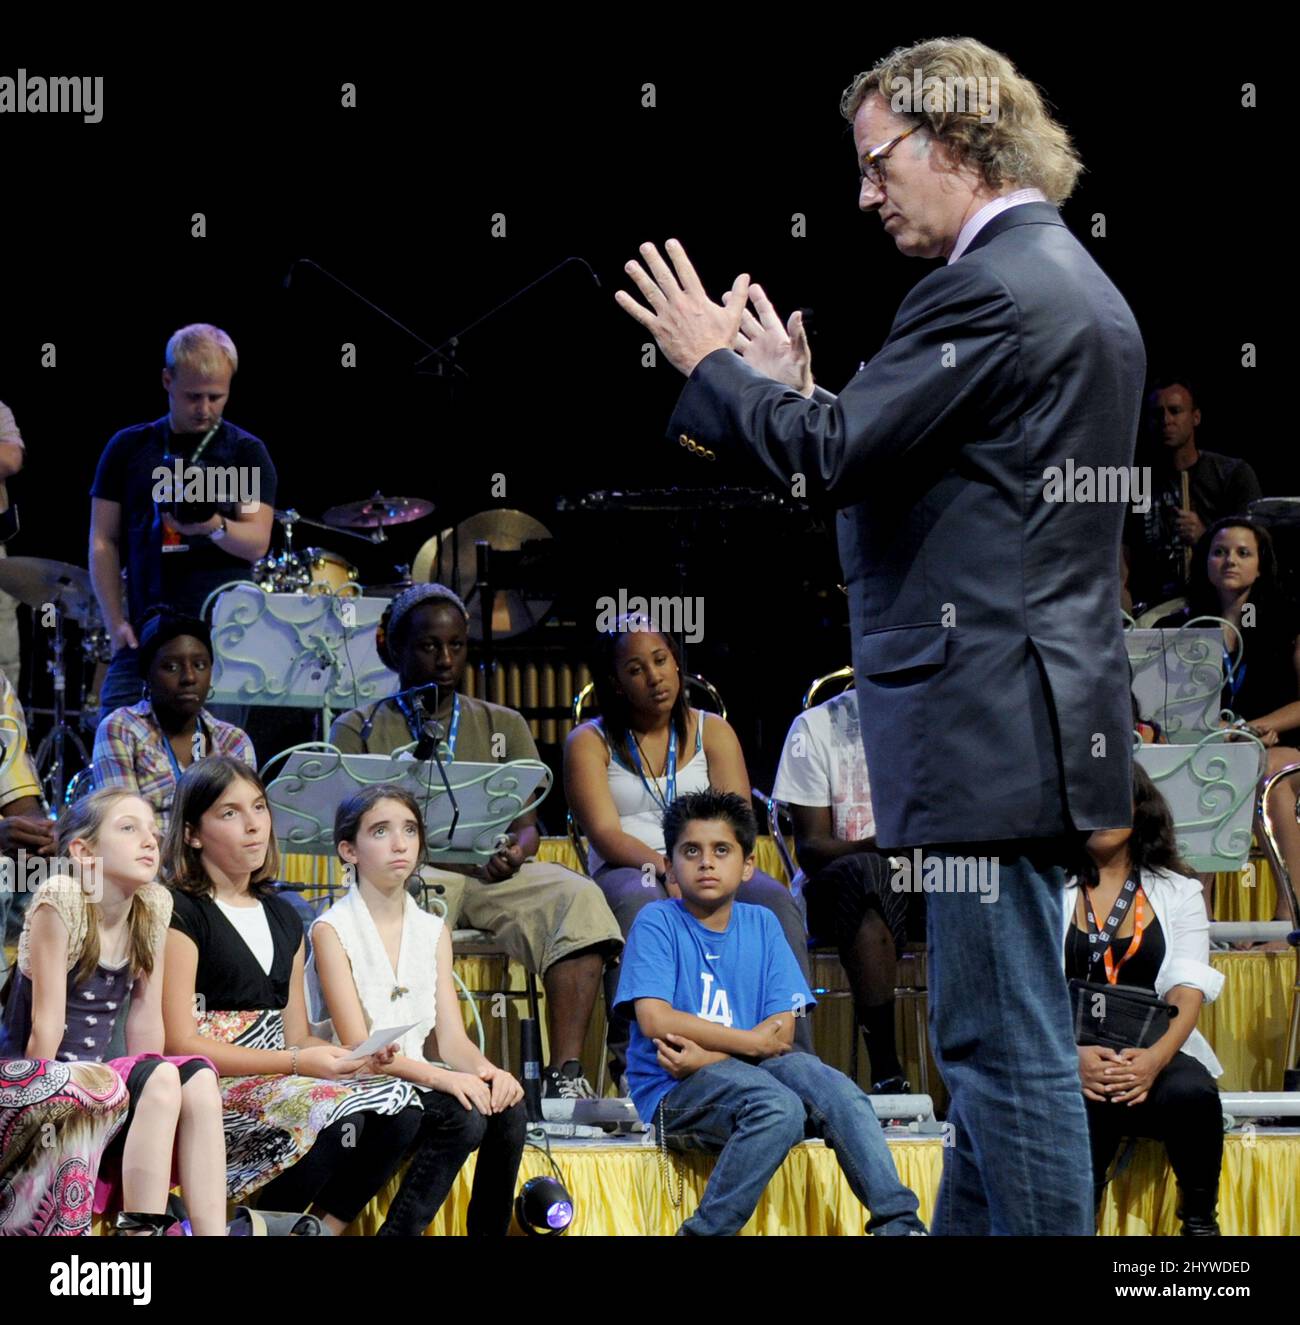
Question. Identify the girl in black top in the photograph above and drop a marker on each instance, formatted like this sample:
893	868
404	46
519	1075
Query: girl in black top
303	1123
1235	576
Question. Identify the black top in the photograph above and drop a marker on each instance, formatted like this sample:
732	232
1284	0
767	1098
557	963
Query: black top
180	578
1264	680
1217	485
1140	973
229	977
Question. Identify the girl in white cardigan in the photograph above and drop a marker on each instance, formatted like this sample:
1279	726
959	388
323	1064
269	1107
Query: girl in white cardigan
1162	944
382	961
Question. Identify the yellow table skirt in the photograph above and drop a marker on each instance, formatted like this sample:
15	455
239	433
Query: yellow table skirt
618	1190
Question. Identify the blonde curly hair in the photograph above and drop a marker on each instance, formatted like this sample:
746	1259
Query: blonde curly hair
998	121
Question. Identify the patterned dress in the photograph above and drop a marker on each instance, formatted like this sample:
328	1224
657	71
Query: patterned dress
94	1006
48	1188
271	1121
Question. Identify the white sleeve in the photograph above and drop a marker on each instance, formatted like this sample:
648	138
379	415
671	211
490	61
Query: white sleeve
1188	958
803	776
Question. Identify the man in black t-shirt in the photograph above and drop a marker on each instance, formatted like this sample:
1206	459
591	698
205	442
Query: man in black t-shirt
187	501
1218	485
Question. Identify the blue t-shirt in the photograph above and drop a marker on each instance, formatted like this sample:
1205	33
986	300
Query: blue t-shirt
183	578
737	977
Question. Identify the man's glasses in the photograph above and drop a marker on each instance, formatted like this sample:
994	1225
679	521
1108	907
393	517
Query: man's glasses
872	166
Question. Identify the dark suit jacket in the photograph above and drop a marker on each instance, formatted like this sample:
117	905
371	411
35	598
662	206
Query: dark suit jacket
987	646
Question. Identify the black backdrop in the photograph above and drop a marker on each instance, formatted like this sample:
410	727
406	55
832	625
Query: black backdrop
397	197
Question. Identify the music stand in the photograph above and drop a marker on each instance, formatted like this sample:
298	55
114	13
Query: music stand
489	798
289	650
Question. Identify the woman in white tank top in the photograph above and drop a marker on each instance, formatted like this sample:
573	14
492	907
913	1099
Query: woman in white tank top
383	962
623	769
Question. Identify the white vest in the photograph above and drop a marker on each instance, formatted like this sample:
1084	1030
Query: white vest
413	995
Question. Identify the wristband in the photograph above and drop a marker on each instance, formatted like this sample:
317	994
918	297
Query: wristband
293	1060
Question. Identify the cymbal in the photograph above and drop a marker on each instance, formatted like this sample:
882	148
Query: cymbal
1275	510
37	581
377	512
450	559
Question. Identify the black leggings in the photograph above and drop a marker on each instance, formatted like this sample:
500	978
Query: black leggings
1181	1109
448	1135
351	1161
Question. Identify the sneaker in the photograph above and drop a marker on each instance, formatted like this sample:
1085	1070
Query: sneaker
892	1086
562	1088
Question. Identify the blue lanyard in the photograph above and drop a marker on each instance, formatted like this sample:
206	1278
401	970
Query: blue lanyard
197	748
670	769
1235	678
455	726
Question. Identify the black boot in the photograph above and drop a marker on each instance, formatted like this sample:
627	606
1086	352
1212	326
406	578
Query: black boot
1197	1209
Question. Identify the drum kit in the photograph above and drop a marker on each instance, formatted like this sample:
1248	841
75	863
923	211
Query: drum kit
317	570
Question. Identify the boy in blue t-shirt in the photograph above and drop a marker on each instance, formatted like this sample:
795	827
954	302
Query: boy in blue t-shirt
713	991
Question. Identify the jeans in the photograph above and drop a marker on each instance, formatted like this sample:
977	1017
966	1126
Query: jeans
1017	1158
754	1114
448	1135
626	893
123	682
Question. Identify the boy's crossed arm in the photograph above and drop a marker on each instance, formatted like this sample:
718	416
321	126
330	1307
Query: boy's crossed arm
703	1042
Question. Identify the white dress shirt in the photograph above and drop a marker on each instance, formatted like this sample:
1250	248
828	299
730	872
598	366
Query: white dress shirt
986	213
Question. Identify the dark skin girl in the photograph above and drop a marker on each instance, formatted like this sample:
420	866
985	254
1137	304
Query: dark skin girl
179	679
433	645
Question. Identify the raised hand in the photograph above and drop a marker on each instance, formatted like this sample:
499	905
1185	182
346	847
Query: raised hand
686	324
781	353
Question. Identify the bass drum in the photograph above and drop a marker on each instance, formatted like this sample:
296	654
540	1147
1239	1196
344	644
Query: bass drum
330	573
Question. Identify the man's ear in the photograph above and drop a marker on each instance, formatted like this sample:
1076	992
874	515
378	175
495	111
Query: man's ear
167	379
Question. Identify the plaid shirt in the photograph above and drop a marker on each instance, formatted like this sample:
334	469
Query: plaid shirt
130	753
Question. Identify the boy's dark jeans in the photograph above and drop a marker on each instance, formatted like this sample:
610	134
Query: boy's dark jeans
754	1114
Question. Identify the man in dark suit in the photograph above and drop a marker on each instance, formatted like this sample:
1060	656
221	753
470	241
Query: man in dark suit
988	656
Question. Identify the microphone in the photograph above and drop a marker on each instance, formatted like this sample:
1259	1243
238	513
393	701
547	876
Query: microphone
431	730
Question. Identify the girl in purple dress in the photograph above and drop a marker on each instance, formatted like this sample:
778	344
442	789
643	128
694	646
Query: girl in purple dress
94	940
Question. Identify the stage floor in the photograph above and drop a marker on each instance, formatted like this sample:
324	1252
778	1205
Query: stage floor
618	1190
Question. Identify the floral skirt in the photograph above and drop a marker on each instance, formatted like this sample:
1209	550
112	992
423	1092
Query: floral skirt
56	1120
271	1122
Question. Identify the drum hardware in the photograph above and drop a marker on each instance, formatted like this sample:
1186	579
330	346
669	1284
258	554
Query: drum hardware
56	592
49	758
42	584
312	570
450	558
377	513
